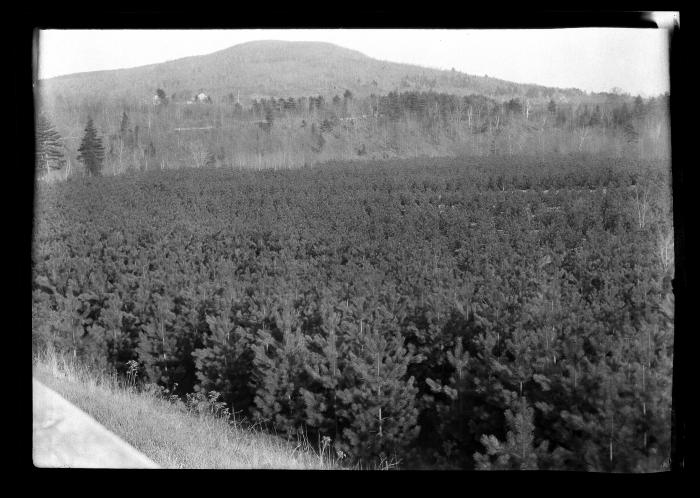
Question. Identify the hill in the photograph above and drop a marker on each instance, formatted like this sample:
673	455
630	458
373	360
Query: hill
371	110
281	69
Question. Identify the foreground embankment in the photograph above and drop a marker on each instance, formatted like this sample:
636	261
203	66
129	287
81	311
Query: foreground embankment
159	432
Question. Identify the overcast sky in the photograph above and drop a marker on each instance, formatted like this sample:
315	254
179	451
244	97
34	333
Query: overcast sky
592	59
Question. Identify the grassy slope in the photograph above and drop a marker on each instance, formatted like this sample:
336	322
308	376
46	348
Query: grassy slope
169	436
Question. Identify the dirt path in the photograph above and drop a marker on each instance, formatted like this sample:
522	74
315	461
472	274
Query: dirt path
65	436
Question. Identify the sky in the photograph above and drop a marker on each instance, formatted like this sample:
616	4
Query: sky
592	59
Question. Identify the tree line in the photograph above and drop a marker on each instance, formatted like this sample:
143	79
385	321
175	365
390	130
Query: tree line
291	131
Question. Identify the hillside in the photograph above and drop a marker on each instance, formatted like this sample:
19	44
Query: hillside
370	110
279	69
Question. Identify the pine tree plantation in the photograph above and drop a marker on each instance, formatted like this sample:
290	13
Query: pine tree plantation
407	311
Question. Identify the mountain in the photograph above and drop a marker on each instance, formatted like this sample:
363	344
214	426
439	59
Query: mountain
278	69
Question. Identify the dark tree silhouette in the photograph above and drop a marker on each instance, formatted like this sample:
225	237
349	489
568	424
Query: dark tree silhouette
91	150
162	97
124	127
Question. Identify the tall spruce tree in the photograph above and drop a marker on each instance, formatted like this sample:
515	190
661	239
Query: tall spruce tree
124	126
91	150
49	150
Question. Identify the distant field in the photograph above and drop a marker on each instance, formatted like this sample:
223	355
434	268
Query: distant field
408	311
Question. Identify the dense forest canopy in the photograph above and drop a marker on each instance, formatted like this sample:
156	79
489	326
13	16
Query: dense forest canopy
452	313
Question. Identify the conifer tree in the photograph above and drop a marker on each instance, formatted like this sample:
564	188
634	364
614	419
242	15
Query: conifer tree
91	150
378	404
224	362
279	358
325	367
124	126
157	344
452	412
49	149
518	452
111	318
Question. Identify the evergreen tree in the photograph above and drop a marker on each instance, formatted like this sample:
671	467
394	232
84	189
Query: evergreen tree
157	344
280	355
518	452
124	127
631	135
162	97
514	106
91	150
378	406
325	366
454	401
639	106
224	363
49	150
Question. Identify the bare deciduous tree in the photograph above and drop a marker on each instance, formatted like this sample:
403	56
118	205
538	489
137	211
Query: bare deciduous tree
665	250
582	135
641	202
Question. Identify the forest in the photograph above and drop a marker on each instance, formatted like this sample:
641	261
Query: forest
175	130
492	311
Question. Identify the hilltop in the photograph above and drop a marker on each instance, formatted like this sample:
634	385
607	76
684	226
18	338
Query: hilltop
280	69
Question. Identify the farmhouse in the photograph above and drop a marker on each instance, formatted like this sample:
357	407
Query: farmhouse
201	97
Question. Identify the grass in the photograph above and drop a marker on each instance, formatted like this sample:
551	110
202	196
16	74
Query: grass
170	435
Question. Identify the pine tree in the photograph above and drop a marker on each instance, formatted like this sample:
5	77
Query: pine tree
518	452
280	355
49	150
450	400
157	344
124	127
325	367
378	405
224	362
125	139
631	135
162	97
91	150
